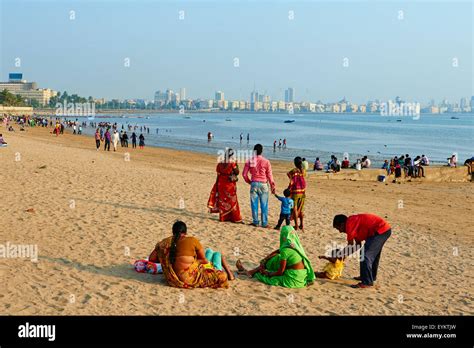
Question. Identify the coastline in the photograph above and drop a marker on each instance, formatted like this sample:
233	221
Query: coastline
90	207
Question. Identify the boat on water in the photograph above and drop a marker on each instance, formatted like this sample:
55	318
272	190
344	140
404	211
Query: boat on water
399	120
454	118
228	119
289	121
187	116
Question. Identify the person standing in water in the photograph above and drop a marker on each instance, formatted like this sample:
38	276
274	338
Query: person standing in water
141	143
248	138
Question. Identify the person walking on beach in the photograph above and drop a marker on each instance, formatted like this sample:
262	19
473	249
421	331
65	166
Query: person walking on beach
115	139
74	129
374	231
107	138
261	178
141	143
97	139
134	140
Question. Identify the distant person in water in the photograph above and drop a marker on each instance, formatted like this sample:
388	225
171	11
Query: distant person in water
284	143
274	145
248	138
279	144
241	137
141	143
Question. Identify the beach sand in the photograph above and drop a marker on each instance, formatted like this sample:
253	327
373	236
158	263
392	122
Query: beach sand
93	213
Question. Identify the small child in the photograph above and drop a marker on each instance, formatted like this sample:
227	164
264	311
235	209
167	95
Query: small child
286	206
333	270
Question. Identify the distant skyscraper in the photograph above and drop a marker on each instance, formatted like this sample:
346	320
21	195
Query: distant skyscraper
219	96
254	97
463	103
290	95
182	93
472	102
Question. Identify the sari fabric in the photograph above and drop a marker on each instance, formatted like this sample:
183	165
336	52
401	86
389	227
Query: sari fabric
195	276
297	188
223	197
291	278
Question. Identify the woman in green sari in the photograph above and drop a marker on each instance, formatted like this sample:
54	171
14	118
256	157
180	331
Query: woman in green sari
288	266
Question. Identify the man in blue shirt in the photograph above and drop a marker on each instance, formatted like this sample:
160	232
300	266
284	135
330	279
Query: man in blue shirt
286	207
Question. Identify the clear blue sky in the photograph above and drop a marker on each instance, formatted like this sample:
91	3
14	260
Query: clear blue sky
387	57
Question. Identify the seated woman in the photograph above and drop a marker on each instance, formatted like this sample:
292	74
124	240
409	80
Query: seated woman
288	266
184	262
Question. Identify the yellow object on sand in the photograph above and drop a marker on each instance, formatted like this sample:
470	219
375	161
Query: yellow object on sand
334	270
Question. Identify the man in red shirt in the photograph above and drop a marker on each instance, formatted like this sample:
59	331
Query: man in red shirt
374	231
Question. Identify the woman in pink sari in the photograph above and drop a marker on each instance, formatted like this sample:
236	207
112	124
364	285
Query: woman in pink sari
223	197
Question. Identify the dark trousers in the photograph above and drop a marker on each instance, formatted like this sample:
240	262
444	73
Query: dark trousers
285	217
107	145
97	143
372	251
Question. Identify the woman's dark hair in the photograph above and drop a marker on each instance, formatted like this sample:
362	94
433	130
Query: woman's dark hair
258	149
298	162
228	154
178	228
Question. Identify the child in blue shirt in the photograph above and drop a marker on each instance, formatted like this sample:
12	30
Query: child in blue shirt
286	207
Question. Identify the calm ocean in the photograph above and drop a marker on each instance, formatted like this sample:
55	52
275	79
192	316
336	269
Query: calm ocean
311	135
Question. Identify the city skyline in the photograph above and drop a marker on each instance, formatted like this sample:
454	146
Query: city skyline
322	51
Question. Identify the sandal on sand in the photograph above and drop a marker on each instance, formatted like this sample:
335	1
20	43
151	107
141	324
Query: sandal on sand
361	286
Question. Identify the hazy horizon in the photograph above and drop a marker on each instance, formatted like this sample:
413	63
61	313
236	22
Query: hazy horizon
412	54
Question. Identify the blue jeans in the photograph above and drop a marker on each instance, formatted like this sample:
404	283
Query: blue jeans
372	251
259	192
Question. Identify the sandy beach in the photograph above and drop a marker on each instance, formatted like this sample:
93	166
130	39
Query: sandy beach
91	214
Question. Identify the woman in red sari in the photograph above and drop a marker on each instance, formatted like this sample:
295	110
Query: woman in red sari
223	197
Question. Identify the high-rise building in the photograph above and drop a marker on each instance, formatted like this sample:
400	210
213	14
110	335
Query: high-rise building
219	96
182	93
472	102
290	95
254	97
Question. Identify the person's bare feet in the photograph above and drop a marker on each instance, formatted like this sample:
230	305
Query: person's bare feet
241	269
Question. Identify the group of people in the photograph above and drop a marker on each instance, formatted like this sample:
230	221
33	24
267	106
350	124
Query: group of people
107	137
257	173
186	264
281	144
410	167
335	166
